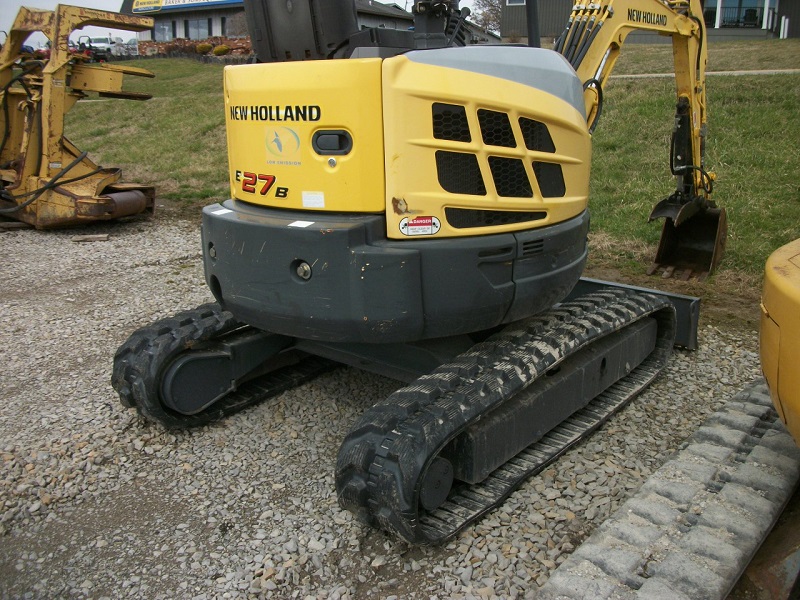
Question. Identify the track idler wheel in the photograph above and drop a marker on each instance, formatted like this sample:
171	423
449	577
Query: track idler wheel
436	483
202	365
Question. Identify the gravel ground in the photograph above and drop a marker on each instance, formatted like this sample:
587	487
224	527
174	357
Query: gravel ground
95	502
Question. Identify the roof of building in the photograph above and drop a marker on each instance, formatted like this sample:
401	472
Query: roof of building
379	8
149	7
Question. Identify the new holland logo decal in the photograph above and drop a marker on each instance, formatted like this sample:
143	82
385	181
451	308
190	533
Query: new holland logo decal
283	146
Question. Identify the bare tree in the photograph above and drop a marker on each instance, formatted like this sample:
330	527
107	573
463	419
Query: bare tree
487	14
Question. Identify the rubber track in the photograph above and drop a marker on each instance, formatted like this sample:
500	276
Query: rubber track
383	459
140	361
694	526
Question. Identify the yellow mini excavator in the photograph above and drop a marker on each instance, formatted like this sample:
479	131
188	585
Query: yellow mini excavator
44	179
408	204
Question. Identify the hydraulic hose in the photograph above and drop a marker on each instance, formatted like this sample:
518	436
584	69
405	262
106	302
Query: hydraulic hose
48	186
596	84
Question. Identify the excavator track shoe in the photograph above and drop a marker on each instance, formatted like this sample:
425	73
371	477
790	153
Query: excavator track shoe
390	466
141	362
694	526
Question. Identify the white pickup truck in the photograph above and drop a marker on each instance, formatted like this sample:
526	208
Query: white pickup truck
103	48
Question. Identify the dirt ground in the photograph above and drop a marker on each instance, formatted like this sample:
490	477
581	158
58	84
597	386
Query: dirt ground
729	299
725	302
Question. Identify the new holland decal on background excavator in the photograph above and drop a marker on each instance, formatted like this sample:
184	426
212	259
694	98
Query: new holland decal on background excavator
418	208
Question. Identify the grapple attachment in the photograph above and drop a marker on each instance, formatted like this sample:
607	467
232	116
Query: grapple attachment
692	240
45	180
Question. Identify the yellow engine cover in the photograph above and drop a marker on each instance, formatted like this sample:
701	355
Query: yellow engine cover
447	142
780	333
272	112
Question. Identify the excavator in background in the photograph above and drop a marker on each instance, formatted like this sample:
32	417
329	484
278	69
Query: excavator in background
45	180
415	207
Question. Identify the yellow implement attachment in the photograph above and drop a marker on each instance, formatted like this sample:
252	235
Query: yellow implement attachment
44	179
780	333
692	246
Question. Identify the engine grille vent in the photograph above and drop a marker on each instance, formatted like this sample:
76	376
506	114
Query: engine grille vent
550	178
462	218
450	123
532	247
459	173
509	177
496	129
536	135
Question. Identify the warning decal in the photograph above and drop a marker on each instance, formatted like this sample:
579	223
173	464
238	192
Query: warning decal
420	226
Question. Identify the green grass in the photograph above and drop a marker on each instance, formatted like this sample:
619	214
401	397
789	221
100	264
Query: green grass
722	56
752	147
176	141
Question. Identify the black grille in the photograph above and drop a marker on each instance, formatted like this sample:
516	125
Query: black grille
509	177
550	178
450	123
462	218
532	247
536	135
496	129
459	173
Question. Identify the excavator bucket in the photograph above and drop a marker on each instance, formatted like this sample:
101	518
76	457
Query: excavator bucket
693	247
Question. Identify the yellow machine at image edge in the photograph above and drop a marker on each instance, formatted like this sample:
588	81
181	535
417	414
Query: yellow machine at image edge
780	333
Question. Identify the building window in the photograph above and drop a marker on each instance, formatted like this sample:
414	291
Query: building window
515	2
222	31
162	31
197	29
741	13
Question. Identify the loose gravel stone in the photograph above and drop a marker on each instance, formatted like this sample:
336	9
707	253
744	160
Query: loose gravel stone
95	502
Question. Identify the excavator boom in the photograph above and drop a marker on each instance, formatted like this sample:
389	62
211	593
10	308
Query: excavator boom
694	232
